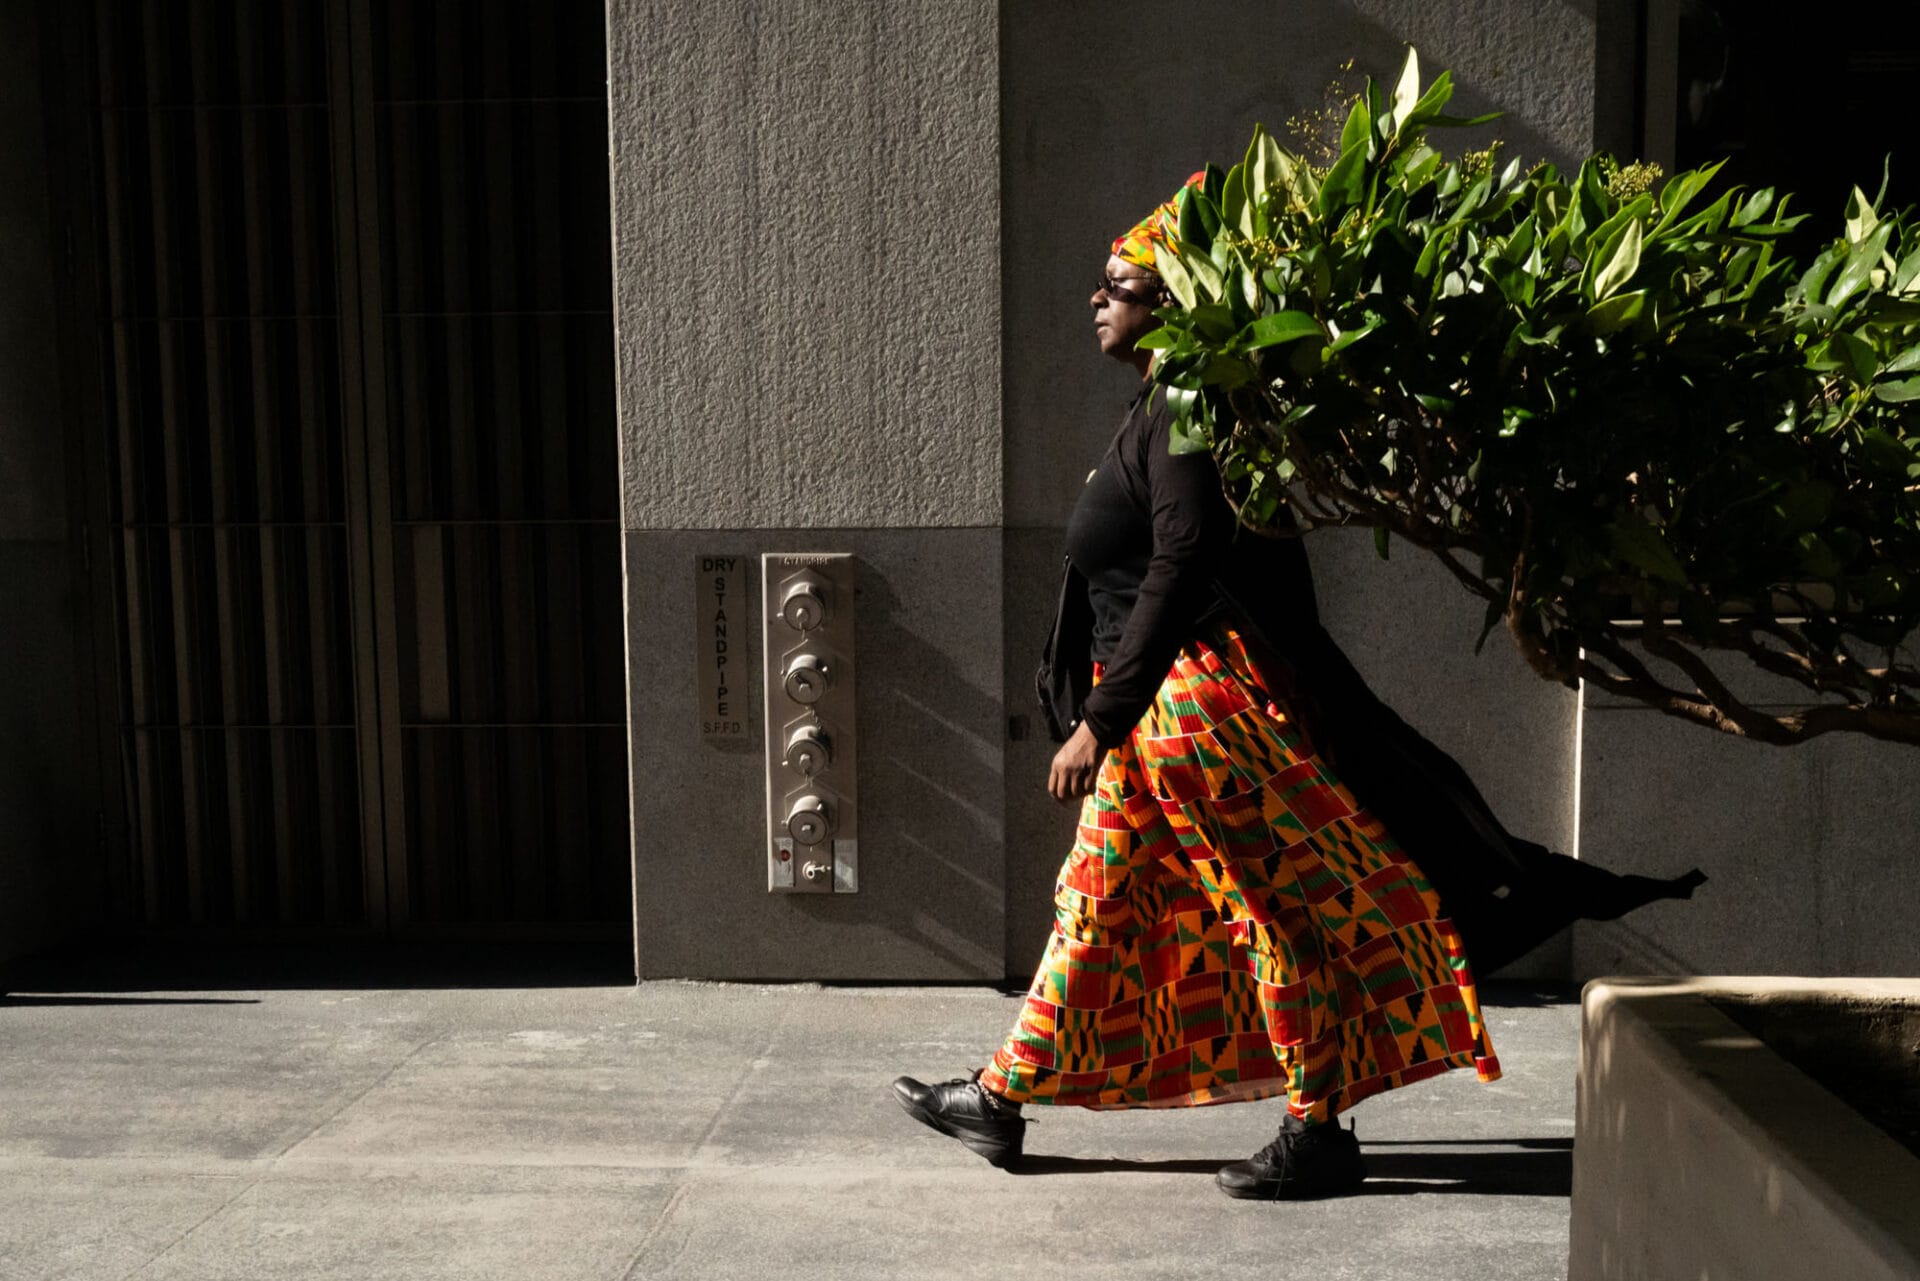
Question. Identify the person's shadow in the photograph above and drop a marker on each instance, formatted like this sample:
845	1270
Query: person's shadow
1515	1167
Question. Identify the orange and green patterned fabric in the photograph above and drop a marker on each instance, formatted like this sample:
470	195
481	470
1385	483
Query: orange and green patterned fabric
1232	925
1140	243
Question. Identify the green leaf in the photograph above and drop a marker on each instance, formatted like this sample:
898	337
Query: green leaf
1208	282
1213	321
1641	545
1607	233
1886	452
1262	167
1351	336
1616	313
1623	263
1859	265
1857	356
1302	184
1226	372
1817	557
1249	289
1679	191
1417	167
1437	95
1406	91
1344	184
1281	327
1709	220
1814	279
1862	219
1233	202
1437	244
1175	276
1358	127
1803	505
1184	437
1465	122
1160	339
1754	207
1199	219
1380	541
1898	393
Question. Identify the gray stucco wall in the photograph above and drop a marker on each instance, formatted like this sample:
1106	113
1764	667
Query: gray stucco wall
47	872
806	254
806	237
1812	852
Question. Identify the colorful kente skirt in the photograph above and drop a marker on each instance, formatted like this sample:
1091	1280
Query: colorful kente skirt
1232	925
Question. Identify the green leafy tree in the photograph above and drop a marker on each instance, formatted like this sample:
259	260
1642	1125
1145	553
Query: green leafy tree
1652	443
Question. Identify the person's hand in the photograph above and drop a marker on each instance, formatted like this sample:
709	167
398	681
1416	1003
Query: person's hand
1075	766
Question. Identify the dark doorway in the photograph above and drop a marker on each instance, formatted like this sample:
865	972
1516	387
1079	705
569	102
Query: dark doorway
358	462
1809	103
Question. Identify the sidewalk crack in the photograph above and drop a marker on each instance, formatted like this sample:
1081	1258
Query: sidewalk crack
199	1223
371	1086
754	1067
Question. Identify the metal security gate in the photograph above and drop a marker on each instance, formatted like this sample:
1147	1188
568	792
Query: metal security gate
354	294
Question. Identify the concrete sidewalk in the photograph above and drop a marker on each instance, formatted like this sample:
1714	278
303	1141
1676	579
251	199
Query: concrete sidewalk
691	1130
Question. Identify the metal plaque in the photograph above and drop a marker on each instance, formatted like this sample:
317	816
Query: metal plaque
720	648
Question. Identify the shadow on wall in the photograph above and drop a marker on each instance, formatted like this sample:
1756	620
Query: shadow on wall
929	780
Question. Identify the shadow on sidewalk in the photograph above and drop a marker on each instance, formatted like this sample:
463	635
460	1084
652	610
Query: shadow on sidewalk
1110	1165
1544	1172
1542	1167
6	1000
361	965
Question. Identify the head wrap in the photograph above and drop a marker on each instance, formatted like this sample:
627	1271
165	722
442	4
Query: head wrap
1161	227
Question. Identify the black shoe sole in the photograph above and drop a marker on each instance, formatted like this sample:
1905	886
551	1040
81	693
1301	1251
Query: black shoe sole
999	1153
1263	1192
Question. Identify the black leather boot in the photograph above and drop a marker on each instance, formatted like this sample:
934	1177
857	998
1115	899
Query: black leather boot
963	1109
1303	1161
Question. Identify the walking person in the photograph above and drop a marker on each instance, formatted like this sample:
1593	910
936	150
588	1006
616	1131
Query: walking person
1277	889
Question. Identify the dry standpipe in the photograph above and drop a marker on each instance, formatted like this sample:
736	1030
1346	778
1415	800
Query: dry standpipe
812	832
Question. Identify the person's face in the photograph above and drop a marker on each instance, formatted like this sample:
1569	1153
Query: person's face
1120	322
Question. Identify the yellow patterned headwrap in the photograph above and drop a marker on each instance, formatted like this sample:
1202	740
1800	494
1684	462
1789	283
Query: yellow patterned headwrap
1157	228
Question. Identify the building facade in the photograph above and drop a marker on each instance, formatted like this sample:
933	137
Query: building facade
364	548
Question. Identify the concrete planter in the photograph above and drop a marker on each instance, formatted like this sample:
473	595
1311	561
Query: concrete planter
1703	1152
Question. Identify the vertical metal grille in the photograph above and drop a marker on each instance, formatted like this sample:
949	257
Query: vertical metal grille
238	709
498	336
403	234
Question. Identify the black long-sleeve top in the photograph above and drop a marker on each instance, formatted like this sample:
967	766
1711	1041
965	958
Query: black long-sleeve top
1150	573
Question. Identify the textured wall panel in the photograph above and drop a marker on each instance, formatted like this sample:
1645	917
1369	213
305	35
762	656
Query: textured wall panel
931	745
1810	849
807	264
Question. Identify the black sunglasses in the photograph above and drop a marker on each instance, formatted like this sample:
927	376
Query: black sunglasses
1117	290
